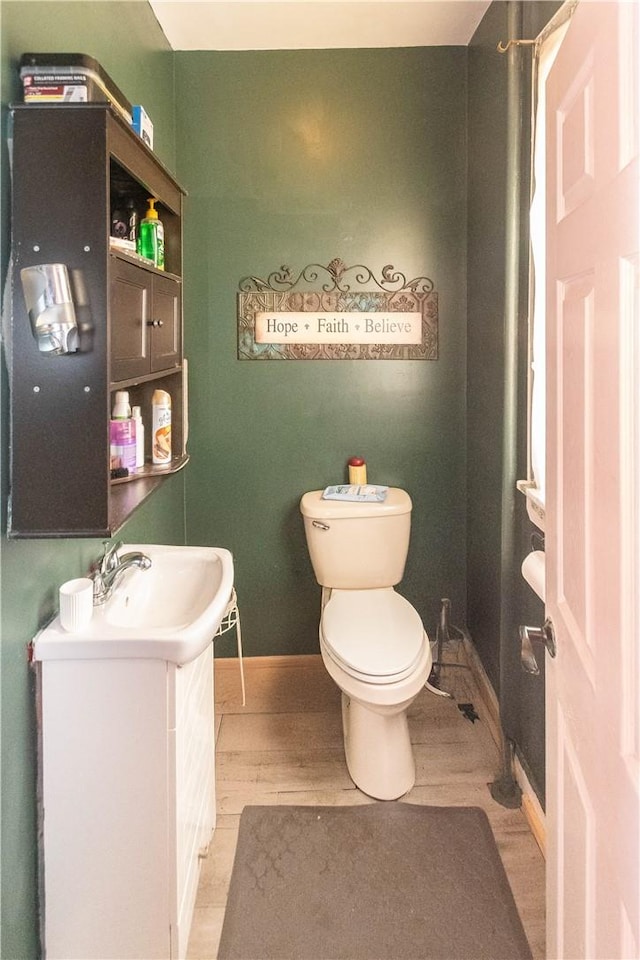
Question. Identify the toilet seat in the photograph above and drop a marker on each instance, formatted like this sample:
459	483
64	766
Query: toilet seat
374	635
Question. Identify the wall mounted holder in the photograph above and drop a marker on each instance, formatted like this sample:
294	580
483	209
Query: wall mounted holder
47	294
337	313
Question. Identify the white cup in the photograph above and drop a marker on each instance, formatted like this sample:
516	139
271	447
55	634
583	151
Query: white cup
76	604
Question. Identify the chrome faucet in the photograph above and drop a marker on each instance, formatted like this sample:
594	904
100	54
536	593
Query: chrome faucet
110	568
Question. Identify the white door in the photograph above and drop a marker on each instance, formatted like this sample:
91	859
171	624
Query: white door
593	483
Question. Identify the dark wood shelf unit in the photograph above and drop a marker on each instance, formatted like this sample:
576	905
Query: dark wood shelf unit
71	165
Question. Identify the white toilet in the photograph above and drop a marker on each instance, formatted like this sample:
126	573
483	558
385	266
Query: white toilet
372	640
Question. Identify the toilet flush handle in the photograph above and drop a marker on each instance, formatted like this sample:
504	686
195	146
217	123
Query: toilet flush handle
319	525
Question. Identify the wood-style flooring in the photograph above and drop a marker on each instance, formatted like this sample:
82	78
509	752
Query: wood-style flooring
285	747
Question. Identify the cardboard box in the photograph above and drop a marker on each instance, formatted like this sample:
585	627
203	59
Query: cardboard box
142	125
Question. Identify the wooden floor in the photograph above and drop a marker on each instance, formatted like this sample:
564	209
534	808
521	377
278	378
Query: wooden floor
285	747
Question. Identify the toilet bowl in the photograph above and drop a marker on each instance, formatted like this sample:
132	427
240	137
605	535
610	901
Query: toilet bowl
372	641
374	647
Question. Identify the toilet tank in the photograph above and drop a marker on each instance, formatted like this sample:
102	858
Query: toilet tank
357	546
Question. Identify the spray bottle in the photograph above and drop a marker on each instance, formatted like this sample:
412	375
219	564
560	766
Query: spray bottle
161	428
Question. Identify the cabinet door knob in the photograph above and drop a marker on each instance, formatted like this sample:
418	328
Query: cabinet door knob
155	323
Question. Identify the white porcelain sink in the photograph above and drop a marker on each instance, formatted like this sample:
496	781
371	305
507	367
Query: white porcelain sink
168	612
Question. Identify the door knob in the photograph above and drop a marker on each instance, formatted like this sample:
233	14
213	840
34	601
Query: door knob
155	323
530	635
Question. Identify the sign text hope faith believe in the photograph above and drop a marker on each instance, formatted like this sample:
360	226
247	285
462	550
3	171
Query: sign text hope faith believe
291	327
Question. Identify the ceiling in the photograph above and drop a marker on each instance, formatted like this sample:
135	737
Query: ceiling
316	24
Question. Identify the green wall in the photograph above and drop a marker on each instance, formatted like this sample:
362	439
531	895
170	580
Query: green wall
298	157
126	39
522	695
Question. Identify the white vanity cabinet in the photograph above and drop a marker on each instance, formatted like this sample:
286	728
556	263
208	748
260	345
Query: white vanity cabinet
127	801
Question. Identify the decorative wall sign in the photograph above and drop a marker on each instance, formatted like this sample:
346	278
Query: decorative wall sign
282	318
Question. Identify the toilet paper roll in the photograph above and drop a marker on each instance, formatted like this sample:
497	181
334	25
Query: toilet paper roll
533	571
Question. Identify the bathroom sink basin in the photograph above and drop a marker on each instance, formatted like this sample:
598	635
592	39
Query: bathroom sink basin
170	611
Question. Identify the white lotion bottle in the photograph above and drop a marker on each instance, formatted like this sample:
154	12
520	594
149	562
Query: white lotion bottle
137	416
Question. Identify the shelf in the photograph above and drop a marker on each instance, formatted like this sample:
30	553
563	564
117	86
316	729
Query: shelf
142	262
144	378
127	496
151	470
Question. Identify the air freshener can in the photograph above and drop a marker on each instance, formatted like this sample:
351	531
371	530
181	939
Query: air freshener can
161	427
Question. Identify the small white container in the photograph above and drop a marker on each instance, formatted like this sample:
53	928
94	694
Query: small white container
76	604
137	416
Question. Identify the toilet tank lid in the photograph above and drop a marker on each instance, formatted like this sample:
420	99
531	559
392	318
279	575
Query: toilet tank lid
313	506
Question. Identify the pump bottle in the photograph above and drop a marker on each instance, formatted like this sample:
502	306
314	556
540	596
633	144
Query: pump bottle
122	434
151	236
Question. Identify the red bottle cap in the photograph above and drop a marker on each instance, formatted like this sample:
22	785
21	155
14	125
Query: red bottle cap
355	462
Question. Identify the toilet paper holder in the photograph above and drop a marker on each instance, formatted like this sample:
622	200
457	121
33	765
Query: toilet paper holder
530	635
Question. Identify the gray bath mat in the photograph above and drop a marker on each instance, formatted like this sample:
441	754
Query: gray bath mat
386	881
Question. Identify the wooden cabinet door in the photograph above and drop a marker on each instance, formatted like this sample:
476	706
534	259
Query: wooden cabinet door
130	306
165	346
146	334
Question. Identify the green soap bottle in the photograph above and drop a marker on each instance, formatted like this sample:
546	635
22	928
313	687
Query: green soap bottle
151	236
